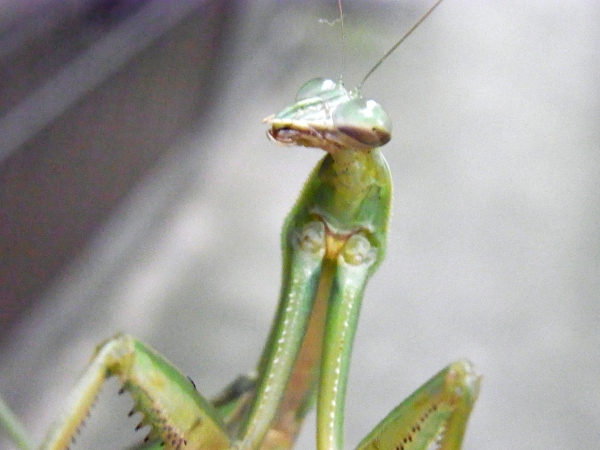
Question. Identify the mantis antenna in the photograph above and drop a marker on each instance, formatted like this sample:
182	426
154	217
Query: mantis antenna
397	44
343	37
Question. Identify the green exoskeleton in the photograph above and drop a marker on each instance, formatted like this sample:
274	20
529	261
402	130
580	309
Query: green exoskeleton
333	240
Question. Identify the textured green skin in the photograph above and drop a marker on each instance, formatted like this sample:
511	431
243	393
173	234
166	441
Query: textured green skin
359	206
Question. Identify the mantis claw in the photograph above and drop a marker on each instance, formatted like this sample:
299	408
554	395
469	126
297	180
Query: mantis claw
434	416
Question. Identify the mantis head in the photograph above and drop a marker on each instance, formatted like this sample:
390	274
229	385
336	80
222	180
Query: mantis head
328	116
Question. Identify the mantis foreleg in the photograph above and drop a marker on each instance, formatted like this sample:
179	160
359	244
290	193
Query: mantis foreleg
434	416
176	413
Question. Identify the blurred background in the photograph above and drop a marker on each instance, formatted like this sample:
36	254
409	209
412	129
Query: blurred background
138	193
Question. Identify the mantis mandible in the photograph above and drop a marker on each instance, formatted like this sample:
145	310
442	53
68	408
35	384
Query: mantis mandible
333	240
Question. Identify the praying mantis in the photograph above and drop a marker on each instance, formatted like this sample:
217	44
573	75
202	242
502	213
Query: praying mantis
333	240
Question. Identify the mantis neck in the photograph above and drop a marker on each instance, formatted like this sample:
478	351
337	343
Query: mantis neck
355	187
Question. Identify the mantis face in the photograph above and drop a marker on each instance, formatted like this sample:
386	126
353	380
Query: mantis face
328	116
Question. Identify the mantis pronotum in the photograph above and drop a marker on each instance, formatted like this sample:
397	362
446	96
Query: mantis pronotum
333	240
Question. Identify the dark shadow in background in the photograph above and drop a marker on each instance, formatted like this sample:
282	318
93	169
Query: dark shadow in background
91	96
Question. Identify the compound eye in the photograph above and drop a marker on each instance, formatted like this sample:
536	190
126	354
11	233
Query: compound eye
318	87
365	121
